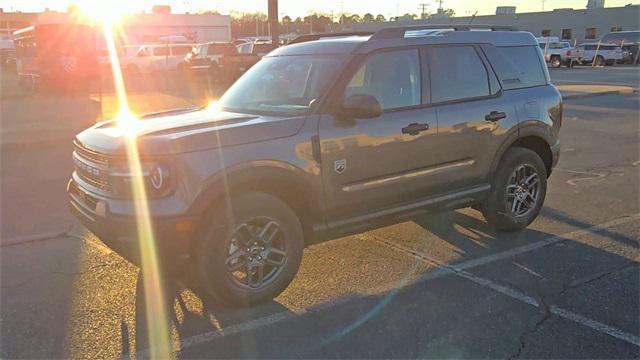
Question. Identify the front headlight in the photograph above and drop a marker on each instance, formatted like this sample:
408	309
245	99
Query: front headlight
155	176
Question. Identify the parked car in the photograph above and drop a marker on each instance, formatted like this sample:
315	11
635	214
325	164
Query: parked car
156	57
60	56
8	58
220	61
629	41
558	53
600	54
258	48
325	138
204	56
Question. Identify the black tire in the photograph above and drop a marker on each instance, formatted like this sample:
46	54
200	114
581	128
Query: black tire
555	61
226	229
600	61
497	208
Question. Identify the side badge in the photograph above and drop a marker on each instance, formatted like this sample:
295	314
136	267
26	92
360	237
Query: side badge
339	166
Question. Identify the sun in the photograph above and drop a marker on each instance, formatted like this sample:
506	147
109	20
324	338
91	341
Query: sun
106	12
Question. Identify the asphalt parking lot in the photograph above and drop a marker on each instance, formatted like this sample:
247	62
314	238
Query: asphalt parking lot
439	286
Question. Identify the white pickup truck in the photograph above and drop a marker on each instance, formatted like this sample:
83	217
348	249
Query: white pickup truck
557	53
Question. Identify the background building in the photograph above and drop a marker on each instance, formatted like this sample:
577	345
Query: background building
568	24
138	28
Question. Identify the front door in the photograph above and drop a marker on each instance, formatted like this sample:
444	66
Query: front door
370	164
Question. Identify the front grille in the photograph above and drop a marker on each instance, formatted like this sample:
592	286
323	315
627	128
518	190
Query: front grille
92	167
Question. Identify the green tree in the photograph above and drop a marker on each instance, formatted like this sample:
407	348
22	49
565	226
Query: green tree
367	18
447	12
380	18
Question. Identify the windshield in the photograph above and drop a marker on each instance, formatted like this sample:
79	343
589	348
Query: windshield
286	85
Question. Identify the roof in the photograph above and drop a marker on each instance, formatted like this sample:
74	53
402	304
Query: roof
338	43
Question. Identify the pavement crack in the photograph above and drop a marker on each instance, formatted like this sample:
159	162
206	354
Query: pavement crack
546	314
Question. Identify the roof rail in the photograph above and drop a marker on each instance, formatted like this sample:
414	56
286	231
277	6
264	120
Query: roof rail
312	37
399	32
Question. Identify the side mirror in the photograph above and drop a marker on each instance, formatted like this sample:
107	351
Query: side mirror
361	107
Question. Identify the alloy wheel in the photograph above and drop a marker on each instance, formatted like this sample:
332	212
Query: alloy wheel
523	190
257	253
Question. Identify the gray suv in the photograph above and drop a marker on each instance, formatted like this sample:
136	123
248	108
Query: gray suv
332	135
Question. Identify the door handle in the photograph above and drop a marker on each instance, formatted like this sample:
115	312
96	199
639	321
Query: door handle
415	128
495	116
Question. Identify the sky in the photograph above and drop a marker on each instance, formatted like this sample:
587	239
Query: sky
296	8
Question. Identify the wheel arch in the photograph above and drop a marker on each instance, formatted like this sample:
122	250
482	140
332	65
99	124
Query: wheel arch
284	181
534	137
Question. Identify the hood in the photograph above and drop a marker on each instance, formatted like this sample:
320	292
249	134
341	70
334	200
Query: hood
186	130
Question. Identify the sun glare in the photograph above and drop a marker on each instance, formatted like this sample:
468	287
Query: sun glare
102	11
128	123
213	106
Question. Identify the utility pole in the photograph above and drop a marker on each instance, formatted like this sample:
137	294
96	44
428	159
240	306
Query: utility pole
274	24
440	8
423	14
543	1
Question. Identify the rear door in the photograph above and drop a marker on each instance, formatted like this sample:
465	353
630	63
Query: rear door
371	164
472	115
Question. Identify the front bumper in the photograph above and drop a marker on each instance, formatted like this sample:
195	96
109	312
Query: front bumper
170	238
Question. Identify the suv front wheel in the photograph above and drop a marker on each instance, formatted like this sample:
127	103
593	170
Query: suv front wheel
249	254
518	190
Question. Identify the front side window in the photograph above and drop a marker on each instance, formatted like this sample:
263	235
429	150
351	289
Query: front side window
457	72
282	85
392	77
161	51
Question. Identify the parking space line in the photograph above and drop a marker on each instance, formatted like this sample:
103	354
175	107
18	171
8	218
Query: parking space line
441	270
459	270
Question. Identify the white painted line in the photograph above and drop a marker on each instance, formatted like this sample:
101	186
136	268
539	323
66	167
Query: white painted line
596	325
442	270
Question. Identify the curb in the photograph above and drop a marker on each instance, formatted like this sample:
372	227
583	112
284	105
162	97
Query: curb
610	92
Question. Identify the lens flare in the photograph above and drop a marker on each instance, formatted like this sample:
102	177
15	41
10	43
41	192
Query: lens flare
156	315
102	11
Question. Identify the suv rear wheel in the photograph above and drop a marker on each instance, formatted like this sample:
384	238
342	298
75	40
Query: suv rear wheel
518	190
250	254
555	61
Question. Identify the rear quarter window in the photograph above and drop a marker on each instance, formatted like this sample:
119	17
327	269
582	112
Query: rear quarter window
517	67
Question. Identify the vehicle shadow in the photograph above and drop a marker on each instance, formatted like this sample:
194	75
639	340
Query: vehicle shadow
436	300
189	312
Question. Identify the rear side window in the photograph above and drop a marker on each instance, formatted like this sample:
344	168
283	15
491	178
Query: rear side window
181	50
457	72
517	66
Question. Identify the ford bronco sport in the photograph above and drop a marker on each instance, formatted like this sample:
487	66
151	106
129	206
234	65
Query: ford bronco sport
330	136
